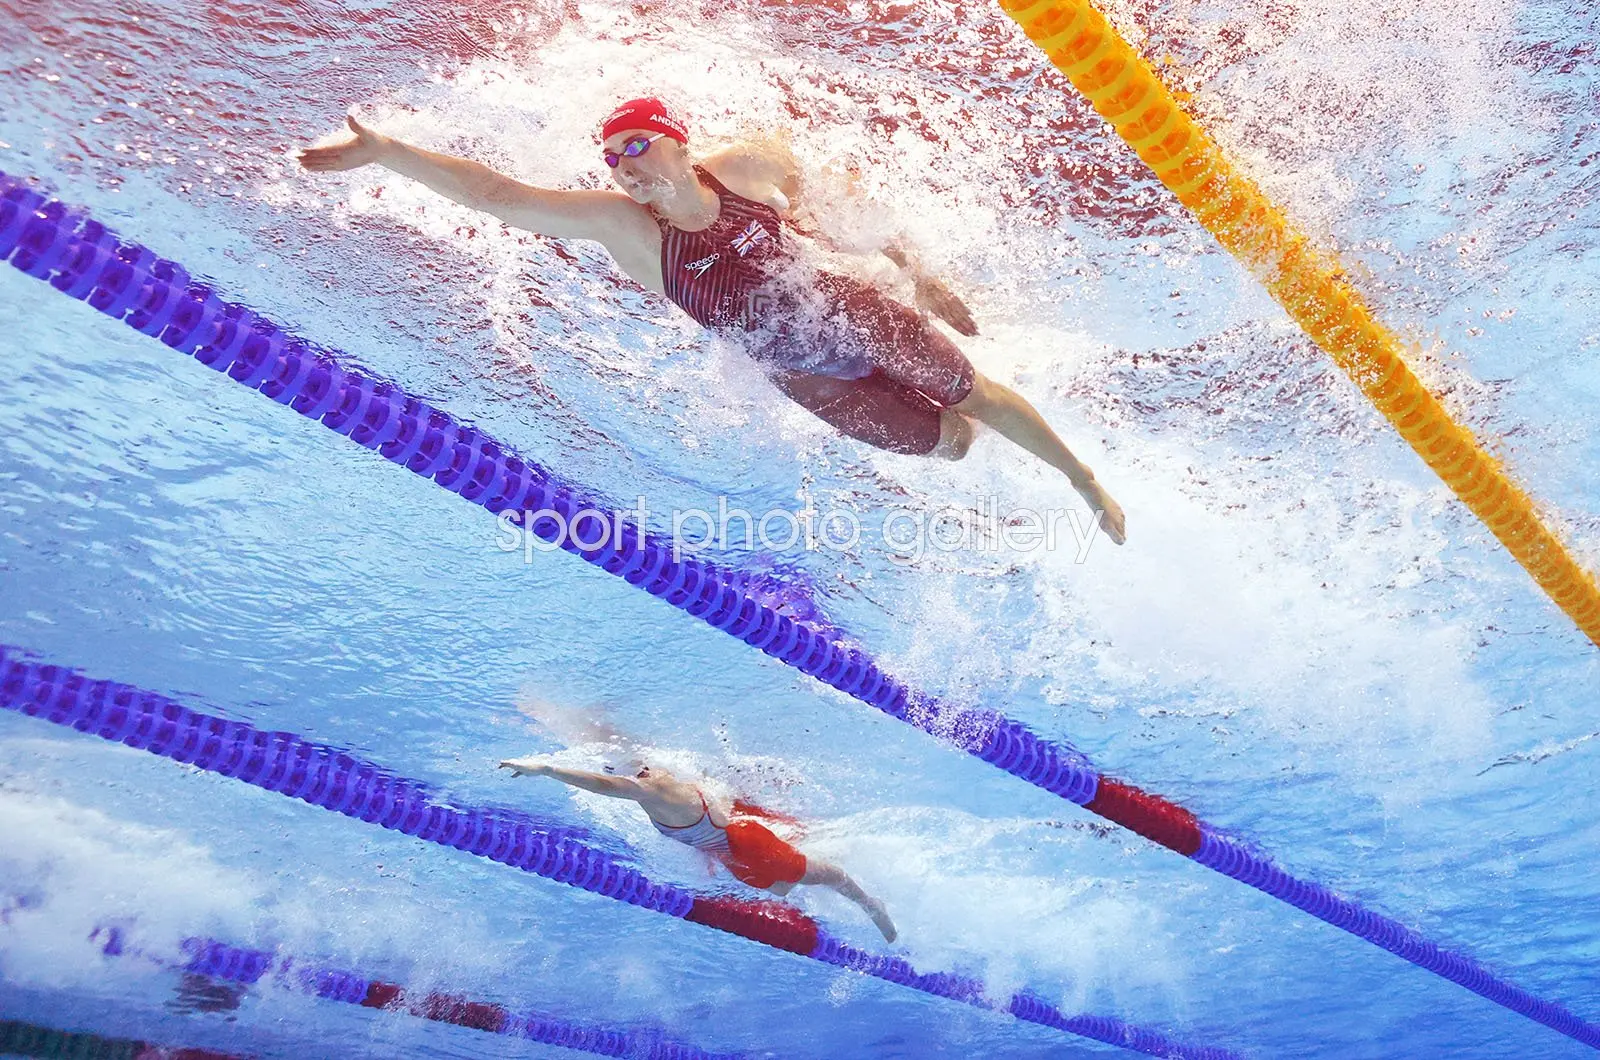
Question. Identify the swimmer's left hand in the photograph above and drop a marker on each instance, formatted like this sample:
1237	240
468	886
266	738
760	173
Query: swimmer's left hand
942	302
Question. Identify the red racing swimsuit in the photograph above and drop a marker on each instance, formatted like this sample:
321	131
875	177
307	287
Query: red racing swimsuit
746	846
873	368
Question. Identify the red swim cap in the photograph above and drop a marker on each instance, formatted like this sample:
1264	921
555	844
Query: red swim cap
646	113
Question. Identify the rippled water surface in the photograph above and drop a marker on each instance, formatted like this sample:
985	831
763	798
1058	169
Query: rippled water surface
1306	639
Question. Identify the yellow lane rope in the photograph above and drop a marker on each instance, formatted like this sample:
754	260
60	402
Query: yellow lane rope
1306	281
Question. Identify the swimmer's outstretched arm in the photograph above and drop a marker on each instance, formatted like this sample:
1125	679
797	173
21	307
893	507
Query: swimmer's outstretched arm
603	216
599	783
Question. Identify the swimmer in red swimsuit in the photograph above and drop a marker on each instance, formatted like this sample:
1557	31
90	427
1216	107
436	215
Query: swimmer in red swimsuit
713	237
733	835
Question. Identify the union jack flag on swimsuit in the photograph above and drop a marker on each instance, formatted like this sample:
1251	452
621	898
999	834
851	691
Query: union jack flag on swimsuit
753	233
715	287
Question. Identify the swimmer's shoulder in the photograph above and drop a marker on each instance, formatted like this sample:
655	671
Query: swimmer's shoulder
762	171
626	219
676	802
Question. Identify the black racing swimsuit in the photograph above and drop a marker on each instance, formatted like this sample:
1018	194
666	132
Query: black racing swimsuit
871	367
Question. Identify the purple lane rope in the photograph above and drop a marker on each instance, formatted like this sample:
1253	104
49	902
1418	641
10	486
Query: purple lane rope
329	778
220	960
81	258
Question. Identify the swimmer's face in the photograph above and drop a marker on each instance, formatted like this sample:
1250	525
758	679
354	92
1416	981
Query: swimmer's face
644	176
639	769
632	768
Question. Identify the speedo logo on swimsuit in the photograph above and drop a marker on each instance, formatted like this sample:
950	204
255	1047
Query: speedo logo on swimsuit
699	267
753	233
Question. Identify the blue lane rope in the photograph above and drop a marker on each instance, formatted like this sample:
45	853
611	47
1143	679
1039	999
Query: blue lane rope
81	258
329	778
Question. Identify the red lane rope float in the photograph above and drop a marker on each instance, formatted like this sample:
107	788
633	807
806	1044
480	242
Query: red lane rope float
219	960
126	281
328	777
1150	815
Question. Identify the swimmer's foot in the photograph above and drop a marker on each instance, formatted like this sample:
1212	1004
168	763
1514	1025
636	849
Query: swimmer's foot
1112	521
880	917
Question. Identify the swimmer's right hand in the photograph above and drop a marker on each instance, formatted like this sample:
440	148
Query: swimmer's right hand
365	148
525	767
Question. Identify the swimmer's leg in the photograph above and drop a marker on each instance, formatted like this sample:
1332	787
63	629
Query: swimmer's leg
1008	412
826	874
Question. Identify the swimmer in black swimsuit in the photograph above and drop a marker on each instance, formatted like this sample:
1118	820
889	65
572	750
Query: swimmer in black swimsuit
712	238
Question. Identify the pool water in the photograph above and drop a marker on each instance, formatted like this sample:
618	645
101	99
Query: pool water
1306	640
